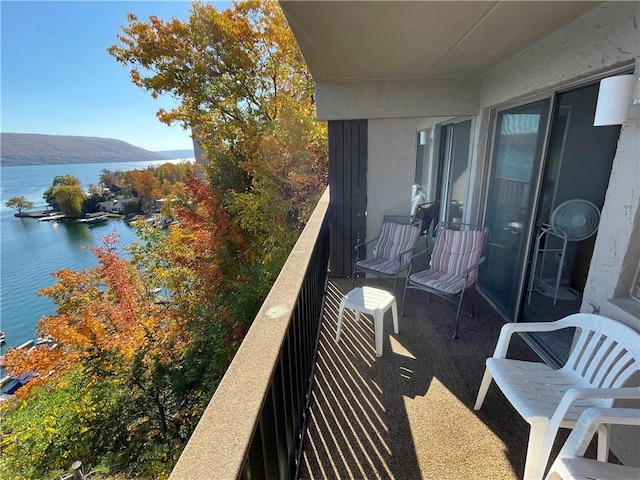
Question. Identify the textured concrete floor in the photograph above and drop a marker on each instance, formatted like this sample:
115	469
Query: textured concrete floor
409	414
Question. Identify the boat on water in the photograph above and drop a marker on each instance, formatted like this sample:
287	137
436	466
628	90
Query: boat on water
12	384
49	218
93	218
9	383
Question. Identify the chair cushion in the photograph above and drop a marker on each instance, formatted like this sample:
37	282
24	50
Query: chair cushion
382	265
456	250
441	281
396	238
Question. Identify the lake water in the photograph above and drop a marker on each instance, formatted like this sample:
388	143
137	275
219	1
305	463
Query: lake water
30	250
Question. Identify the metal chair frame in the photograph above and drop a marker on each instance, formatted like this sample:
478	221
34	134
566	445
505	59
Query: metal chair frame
457	297
361	252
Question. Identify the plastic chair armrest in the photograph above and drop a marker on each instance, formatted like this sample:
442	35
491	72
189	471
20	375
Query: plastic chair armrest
588	424
579	393
509	329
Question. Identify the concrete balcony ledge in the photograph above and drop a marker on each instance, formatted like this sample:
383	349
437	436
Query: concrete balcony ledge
234	421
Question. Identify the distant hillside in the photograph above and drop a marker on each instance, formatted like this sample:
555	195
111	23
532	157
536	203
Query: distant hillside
36	149
177	153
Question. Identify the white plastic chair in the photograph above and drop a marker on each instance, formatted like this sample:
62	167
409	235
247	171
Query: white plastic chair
570	463
605	357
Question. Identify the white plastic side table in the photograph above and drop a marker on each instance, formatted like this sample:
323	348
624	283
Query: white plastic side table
374	302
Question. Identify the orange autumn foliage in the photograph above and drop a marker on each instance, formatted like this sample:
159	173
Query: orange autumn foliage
212	236
104	317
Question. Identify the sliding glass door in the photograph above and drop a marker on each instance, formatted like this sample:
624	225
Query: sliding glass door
512	186
454	151
442	168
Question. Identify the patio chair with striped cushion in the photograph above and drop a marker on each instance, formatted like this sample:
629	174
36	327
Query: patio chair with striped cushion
455	259
393	250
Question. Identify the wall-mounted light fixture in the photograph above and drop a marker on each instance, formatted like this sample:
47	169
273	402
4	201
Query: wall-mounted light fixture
615	97
423	137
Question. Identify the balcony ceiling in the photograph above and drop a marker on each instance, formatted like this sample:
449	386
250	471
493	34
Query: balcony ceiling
379	40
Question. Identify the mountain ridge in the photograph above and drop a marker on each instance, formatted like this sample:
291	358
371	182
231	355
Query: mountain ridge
40	149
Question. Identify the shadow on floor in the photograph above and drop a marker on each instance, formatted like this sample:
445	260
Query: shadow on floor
409	414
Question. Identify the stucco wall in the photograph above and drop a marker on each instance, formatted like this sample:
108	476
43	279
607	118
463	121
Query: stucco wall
400	98
390	169
617	251
604	38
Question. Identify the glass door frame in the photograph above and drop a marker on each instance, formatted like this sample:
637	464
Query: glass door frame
536	183
444	160
553	95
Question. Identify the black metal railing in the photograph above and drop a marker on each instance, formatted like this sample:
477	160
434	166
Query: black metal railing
254	426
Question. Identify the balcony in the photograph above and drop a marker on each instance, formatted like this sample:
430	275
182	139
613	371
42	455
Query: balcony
409	414
296	403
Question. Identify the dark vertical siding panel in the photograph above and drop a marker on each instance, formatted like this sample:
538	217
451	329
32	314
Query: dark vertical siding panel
350	178
337	191
348	182
361	200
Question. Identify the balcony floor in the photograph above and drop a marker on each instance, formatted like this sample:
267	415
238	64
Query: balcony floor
409	414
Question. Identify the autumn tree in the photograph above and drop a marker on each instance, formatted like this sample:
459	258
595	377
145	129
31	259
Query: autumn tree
111	335
144	185
172	172
94	189
110	180
126	364
139	362
66	194
246	94
19	203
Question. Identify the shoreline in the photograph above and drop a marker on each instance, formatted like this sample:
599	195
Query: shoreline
37	214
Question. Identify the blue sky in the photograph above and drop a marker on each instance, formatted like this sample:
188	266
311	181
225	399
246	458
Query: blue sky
57	77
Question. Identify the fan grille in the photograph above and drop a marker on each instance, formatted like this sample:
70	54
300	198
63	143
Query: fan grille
579	219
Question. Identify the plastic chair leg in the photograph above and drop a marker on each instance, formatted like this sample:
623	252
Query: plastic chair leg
604	432
484	388
541	439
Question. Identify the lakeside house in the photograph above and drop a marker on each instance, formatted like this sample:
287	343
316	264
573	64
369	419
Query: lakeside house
111	206
489	108
115	206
